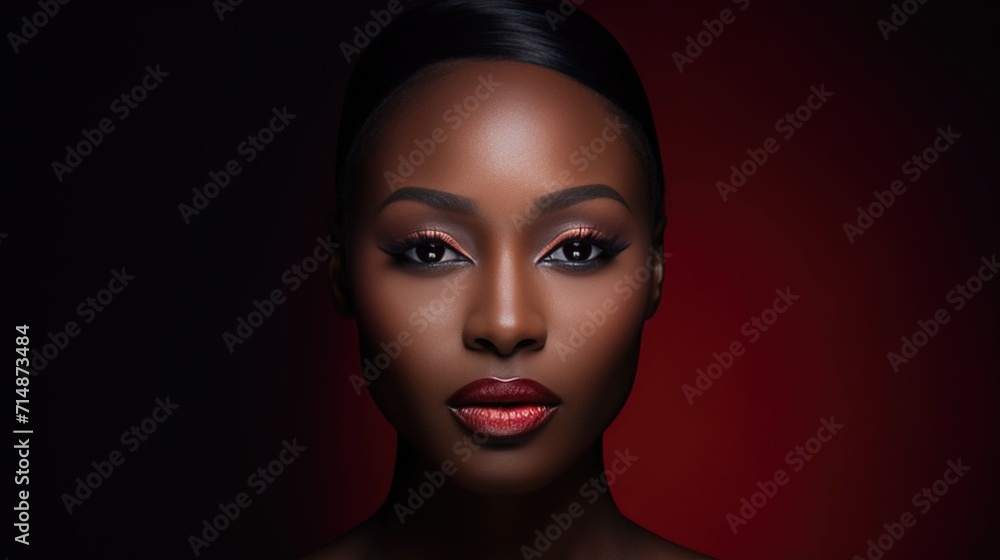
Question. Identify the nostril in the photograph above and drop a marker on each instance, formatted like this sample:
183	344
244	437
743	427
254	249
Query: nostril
523	344
526	343
486	344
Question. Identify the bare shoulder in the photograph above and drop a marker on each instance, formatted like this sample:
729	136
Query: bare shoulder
651	545
353	545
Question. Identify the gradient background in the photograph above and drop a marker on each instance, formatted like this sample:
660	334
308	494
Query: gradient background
825	356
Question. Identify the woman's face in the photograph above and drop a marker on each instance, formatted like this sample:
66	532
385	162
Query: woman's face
501	267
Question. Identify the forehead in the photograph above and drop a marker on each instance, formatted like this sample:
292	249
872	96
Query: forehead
486	129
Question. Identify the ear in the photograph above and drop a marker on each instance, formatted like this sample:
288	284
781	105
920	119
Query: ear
656	272
337	285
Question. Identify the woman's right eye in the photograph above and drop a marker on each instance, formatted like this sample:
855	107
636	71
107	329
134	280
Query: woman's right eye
426	249
434	252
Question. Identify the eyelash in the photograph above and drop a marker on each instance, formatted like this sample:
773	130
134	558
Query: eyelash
609	247
412	241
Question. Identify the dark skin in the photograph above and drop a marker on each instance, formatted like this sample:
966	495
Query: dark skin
485	284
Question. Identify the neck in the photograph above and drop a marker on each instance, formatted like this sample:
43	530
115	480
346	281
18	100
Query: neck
572	517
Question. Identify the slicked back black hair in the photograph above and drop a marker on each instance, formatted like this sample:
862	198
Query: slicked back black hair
529	31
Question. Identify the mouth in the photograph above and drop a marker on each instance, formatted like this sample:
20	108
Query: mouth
503	409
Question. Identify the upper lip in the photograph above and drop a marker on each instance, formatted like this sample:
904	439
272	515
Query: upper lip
496	391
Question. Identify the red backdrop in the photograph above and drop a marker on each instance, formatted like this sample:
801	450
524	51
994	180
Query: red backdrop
823	358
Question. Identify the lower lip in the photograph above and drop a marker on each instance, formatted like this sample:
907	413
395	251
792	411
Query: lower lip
504	422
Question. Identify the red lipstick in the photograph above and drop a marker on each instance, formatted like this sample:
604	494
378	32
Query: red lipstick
503	408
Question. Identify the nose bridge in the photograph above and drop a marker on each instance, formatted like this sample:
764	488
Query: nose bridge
506	315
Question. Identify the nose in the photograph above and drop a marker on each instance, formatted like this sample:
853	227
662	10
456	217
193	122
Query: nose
505	316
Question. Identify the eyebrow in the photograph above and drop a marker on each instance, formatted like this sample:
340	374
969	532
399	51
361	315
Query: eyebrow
575	195
458	204
433	198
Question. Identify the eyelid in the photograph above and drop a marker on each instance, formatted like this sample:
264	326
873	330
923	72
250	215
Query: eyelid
416	237
577	232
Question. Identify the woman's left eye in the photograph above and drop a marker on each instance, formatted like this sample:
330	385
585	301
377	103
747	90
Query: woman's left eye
576	251
584	249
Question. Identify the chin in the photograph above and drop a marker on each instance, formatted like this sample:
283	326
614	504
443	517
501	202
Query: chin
501	471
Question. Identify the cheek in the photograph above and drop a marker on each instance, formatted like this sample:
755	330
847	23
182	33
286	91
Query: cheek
601	313
595	336
411	392
406	324
392	303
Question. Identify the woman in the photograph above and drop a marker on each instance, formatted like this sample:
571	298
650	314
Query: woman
500	212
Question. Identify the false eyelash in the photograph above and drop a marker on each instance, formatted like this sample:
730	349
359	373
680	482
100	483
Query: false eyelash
398	249
610	245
